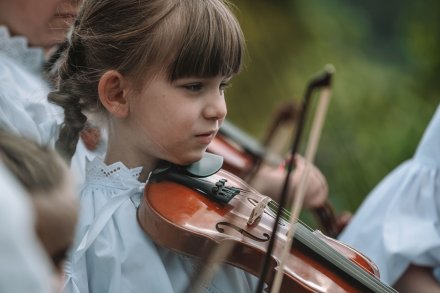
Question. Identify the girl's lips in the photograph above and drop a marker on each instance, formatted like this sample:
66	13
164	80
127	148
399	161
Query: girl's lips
206	138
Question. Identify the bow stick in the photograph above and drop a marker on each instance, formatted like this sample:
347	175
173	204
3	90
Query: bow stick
321	81
315	134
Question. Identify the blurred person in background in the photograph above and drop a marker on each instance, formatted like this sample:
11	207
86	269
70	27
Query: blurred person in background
48	181
398	225
29	32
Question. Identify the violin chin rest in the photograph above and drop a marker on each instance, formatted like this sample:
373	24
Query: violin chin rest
208	165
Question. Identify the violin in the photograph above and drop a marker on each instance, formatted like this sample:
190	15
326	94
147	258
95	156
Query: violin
194	209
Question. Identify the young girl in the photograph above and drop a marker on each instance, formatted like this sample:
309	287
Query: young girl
156	70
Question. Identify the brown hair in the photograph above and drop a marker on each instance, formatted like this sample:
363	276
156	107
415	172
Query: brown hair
138	38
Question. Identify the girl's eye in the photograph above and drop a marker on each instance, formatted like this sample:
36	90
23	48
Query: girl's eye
194	87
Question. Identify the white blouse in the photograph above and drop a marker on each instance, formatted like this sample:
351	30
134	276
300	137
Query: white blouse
113	254
399	222
24	109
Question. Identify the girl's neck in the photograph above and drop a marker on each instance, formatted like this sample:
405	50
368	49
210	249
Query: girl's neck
121	148
131	159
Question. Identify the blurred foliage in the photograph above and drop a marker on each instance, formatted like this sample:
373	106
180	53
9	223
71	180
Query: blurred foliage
386	87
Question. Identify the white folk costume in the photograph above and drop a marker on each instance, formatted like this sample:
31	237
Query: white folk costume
24	109
399	222
112	254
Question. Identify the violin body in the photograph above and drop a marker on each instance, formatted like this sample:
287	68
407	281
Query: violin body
187	221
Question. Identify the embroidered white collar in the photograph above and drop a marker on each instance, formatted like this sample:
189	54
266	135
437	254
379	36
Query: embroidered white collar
116	175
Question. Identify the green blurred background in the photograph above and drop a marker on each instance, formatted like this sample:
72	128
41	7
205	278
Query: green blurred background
386	86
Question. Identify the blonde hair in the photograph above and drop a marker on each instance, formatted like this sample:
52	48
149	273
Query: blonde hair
141	38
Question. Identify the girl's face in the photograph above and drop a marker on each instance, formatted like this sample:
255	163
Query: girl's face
44	23
175	121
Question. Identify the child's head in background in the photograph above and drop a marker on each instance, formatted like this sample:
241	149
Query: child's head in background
44	23
48	180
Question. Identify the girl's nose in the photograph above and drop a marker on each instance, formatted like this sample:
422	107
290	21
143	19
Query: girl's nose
216	108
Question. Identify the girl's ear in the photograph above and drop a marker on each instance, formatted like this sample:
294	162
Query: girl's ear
113	93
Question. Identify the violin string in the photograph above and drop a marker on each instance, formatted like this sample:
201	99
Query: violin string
286	214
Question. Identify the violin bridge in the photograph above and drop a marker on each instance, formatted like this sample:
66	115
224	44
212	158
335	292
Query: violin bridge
258	211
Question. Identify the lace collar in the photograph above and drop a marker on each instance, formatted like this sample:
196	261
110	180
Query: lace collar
116	175
17	49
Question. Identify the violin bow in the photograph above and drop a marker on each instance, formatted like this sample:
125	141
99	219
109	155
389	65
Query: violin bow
322	81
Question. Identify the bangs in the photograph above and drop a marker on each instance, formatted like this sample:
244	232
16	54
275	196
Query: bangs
211	45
